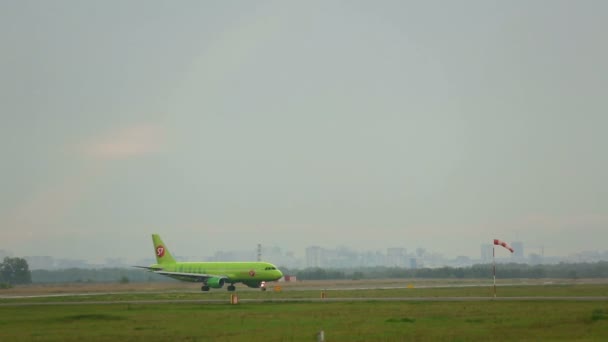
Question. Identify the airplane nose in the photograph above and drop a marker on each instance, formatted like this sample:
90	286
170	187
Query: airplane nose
279	274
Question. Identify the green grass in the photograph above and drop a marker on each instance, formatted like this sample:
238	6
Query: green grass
359	321
301	321
599	314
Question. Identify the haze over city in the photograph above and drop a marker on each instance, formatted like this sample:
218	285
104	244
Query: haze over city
221	125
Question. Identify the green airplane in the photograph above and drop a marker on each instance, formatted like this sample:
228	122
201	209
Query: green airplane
212	274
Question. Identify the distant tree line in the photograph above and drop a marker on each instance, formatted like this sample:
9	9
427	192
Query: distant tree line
14	271
512	270
102	275
124	275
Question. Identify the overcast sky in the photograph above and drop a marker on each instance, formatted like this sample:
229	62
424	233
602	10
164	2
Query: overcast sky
369	124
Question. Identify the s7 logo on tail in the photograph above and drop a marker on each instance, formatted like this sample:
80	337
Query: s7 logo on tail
160	251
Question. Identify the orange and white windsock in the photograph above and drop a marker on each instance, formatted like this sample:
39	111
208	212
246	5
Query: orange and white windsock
504	244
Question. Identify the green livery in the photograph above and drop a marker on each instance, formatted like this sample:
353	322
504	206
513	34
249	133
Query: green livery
212	274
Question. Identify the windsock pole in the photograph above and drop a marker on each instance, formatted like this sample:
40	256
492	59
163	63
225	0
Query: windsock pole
494	268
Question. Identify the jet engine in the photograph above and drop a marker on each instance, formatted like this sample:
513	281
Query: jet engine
215	283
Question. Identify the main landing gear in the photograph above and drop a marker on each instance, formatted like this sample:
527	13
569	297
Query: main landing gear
230	288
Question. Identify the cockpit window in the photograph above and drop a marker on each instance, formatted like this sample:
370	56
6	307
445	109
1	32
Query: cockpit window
270	268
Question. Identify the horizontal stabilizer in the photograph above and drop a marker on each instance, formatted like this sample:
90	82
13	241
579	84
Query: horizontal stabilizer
149	268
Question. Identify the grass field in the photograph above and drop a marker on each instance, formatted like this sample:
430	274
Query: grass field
341	321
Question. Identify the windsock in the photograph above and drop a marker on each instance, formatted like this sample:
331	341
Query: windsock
504	244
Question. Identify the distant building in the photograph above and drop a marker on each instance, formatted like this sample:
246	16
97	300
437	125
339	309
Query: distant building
371	259
462	261
314	256
232	256
535	259
282	258
518	250
413	263
395	257
486	252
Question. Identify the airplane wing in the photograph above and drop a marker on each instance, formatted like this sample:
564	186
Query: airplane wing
198	277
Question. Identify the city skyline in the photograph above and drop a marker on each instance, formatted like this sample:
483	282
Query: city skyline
337	257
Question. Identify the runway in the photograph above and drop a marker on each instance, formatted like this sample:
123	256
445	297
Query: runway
89	296
298	289
322	300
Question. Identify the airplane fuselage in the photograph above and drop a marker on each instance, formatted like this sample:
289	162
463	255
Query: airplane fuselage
235	272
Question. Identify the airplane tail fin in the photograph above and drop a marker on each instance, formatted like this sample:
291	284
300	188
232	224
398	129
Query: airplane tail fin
160	250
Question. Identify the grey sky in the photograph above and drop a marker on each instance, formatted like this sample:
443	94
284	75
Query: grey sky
369	124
